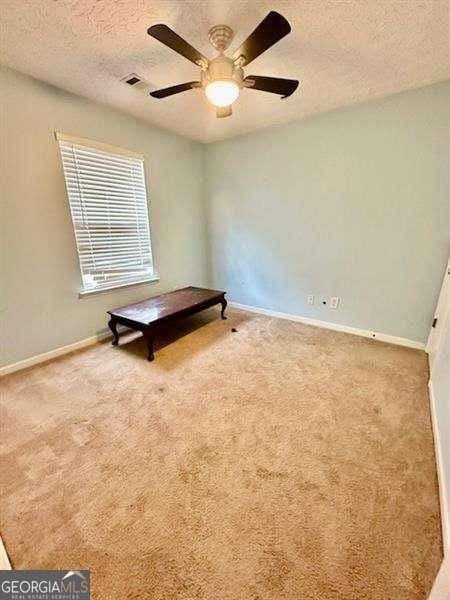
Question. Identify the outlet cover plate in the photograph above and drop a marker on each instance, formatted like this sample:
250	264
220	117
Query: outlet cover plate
334	302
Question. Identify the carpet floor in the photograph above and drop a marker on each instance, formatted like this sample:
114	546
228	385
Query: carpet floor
280	461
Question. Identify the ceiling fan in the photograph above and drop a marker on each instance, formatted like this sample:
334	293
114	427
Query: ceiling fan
222	78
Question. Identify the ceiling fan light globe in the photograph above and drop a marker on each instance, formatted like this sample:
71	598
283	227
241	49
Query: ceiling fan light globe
222	92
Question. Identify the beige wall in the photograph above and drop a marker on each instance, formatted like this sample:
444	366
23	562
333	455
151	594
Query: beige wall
40	279
351	203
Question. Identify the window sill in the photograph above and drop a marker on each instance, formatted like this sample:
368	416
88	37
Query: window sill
89	293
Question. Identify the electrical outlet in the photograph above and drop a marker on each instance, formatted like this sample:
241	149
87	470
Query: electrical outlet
334	302
311	299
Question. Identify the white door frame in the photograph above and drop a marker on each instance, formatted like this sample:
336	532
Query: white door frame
441	315
437	348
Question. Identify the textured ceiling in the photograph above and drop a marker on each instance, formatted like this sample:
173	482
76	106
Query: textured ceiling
342	51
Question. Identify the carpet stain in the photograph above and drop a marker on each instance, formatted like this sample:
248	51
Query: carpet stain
268	474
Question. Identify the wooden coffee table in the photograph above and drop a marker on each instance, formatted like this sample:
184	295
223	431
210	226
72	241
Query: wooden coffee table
149	315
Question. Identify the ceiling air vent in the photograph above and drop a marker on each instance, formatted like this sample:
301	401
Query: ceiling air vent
135	81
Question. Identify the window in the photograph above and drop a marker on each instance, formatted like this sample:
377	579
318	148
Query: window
108	203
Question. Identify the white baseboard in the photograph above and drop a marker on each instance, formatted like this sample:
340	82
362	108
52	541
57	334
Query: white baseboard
440	467
441	585
39	358
5	565
382	337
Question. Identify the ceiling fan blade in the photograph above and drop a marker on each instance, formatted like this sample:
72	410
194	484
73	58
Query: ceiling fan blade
175	89
270	31
274	85
223	111
169	38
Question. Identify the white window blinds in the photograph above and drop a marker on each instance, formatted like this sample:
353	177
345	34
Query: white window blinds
108	203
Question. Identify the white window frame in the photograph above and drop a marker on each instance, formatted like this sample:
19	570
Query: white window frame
79	204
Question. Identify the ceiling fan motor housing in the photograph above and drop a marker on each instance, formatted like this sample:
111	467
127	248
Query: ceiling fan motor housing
222	68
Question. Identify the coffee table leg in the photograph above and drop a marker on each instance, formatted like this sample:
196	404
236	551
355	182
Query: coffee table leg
113	326
224	303
149	340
